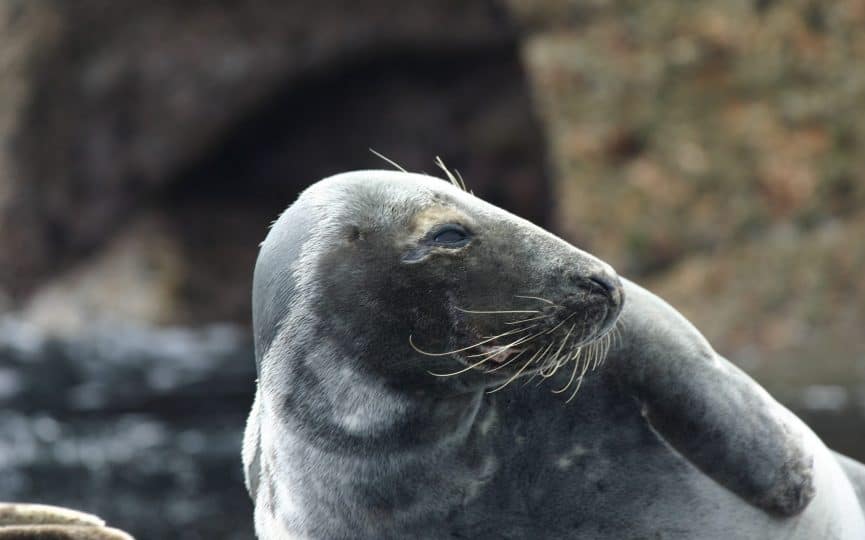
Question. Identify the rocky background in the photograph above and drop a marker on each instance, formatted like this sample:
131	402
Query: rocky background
710	150
714	152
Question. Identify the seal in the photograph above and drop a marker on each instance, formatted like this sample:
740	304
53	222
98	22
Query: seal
431	366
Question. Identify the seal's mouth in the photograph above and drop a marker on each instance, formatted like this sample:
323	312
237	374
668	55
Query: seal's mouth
558	354
499	355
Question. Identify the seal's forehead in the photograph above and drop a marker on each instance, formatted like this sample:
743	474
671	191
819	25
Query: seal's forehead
383	184
375	195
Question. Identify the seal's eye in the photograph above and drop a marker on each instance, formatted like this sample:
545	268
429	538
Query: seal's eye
451	235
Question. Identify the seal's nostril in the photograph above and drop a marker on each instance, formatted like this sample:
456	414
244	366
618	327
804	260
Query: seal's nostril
605	283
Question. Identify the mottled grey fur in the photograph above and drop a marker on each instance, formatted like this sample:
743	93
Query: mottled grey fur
351	436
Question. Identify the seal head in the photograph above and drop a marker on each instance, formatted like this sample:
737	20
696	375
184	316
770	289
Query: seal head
393	270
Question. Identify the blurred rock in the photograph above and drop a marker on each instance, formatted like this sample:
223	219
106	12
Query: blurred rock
789	297
677	128
134	278
188	109
713	151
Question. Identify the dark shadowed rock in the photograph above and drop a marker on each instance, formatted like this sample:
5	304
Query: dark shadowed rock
139	426
214	115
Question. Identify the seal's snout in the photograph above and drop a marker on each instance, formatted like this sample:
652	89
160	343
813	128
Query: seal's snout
597	295
608	285
602	282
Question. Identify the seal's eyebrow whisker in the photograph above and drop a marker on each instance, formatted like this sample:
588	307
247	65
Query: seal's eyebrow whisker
463	182
454	180
392	162
482	342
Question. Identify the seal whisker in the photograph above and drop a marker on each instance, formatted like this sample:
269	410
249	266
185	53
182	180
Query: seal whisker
604	348
617	335
463	182
515	375
579	381
467	368
475	365
454	180
556	327
607	345
494	312
502	348
554	362
528	320
500	366
537	298
392	162
581	363
594	355
576	360
446	353
542	360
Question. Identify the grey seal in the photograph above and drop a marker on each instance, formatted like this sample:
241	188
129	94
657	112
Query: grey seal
431	366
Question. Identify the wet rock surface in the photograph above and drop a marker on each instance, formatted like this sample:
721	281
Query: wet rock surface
139	426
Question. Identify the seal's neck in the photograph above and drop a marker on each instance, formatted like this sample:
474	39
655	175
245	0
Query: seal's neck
345	446
348	410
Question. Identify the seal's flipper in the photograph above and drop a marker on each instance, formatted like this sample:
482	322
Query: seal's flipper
708	410
855	472
37	521
252	449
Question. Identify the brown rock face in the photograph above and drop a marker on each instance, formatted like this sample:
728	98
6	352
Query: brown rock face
682	128
213	115
714	151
